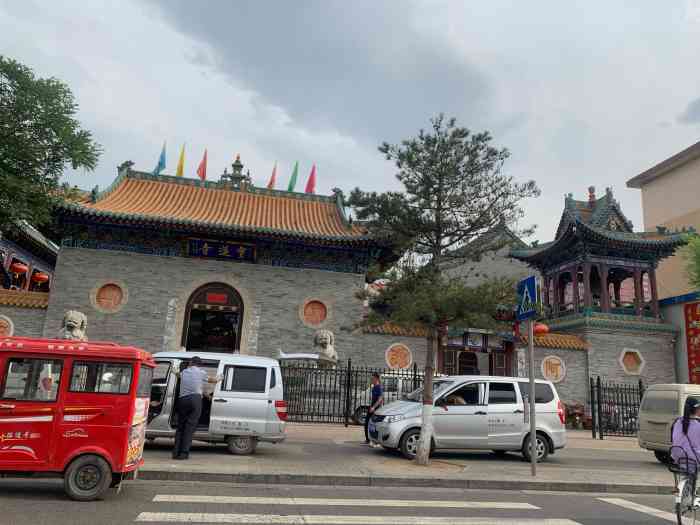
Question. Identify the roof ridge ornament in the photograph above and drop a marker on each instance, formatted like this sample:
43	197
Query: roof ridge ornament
236	180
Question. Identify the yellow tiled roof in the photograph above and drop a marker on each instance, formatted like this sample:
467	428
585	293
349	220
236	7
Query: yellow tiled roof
22	299
140	197
394	329
562	341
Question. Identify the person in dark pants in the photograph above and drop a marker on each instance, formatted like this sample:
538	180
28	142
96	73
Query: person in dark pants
189	406
377	400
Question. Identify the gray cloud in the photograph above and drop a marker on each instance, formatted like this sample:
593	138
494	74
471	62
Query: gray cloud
369	71
691	115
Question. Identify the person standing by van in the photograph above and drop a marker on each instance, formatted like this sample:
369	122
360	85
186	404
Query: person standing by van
377	400
686	435
189	405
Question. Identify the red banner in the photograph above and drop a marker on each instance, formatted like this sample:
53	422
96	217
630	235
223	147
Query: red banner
692	335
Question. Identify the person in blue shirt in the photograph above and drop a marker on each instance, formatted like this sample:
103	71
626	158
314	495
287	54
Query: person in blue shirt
189	405
376	402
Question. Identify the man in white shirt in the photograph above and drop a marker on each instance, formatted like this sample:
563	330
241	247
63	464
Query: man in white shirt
189	406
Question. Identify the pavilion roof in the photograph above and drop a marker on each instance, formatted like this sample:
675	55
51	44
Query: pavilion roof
659	244
24	299
187	204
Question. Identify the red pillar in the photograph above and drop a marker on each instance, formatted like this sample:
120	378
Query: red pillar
587	296
557	295
638	292
574	283
654	293
604	291
545	289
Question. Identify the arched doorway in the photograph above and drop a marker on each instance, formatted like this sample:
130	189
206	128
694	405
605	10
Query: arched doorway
213	319
468	364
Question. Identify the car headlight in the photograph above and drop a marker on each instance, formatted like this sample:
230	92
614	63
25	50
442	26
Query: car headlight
394	419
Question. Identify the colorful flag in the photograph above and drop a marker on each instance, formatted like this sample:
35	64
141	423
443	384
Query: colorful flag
181	163
293	180
273	178
161	162
311	183
202	169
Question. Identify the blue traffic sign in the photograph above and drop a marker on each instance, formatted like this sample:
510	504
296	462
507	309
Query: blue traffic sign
527	298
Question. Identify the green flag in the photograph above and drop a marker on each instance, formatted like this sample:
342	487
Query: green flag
293	180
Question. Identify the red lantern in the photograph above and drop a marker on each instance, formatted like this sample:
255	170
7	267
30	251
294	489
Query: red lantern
540	329
40	277
19	267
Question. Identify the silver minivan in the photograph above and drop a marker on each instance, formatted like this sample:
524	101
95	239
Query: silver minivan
246	407
661	406
475	412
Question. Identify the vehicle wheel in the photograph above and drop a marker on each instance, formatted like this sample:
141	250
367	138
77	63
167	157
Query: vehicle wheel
241	445
541	445
663	457
409	443
685	508
87	478
360	415
500	453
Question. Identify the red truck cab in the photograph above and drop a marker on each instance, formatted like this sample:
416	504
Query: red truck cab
73	409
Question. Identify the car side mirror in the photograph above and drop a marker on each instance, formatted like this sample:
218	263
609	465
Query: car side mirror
441	403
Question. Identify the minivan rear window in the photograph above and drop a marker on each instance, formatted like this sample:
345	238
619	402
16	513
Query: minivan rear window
543	392
661	402
501	394
244	379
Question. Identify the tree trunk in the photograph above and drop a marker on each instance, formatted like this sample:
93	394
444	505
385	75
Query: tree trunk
426	431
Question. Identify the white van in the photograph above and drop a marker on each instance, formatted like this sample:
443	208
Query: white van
475	412
661	406
246	407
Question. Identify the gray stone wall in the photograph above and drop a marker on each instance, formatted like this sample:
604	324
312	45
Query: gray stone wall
28	322
574	387
657	350
158	289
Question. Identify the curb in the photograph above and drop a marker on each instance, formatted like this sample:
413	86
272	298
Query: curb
370	481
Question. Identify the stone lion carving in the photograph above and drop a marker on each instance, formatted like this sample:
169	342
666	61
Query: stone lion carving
324	343
74	326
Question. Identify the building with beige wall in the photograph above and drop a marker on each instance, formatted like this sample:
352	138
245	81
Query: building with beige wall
671	199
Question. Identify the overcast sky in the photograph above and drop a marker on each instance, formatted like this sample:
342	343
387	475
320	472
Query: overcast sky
581	93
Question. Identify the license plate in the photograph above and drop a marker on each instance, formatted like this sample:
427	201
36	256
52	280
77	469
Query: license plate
371	427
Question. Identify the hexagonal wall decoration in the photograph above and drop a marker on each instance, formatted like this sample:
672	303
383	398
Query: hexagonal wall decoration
631	361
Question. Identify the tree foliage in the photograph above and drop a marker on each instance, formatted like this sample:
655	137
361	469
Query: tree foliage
454	193
39	137
693	260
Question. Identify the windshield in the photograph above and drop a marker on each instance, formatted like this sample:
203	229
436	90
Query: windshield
438	387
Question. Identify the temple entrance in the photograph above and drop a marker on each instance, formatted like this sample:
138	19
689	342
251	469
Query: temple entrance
213	320
468	364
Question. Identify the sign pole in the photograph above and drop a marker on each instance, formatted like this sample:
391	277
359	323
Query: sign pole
533	423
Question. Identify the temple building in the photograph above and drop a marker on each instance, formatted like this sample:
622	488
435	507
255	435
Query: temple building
593	258
170	263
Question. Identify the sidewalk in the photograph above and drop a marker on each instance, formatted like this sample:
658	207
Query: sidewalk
335	455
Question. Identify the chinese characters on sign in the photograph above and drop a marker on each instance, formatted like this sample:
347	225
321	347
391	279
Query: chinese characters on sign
220	250
553	369
692	334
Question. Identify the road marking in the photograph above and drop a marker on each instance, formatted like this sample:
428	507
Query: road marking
178	498
651	511
193	517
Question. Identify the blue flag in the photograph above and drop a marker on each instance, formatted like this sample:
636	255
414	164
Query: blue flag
161	162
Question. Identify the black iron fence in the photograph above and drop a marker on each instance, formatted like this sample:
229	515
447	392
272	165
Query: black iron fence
615	408
342	394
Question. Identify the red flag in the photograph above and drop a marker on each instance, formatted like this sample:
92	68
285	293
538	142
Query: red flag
202	170
273	179
311	183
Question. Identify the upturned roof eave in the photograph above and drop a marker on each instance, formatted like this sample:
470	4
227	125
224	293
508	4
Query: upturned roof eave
578	229
214	228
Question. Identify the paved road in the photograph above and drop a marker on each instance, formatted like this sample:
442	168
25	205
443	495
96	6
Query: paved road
37	502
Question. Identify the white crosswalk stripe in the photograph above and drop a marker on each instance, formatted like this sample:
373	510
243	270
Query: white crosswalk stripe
193	517
651	511
441	504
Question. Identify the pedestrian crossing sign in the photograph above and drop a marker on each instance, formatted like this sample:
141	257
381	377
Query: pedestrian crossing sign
527	298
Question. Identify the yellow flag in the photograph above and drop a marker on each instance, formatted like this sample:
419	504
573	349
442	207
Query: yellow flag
181	163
